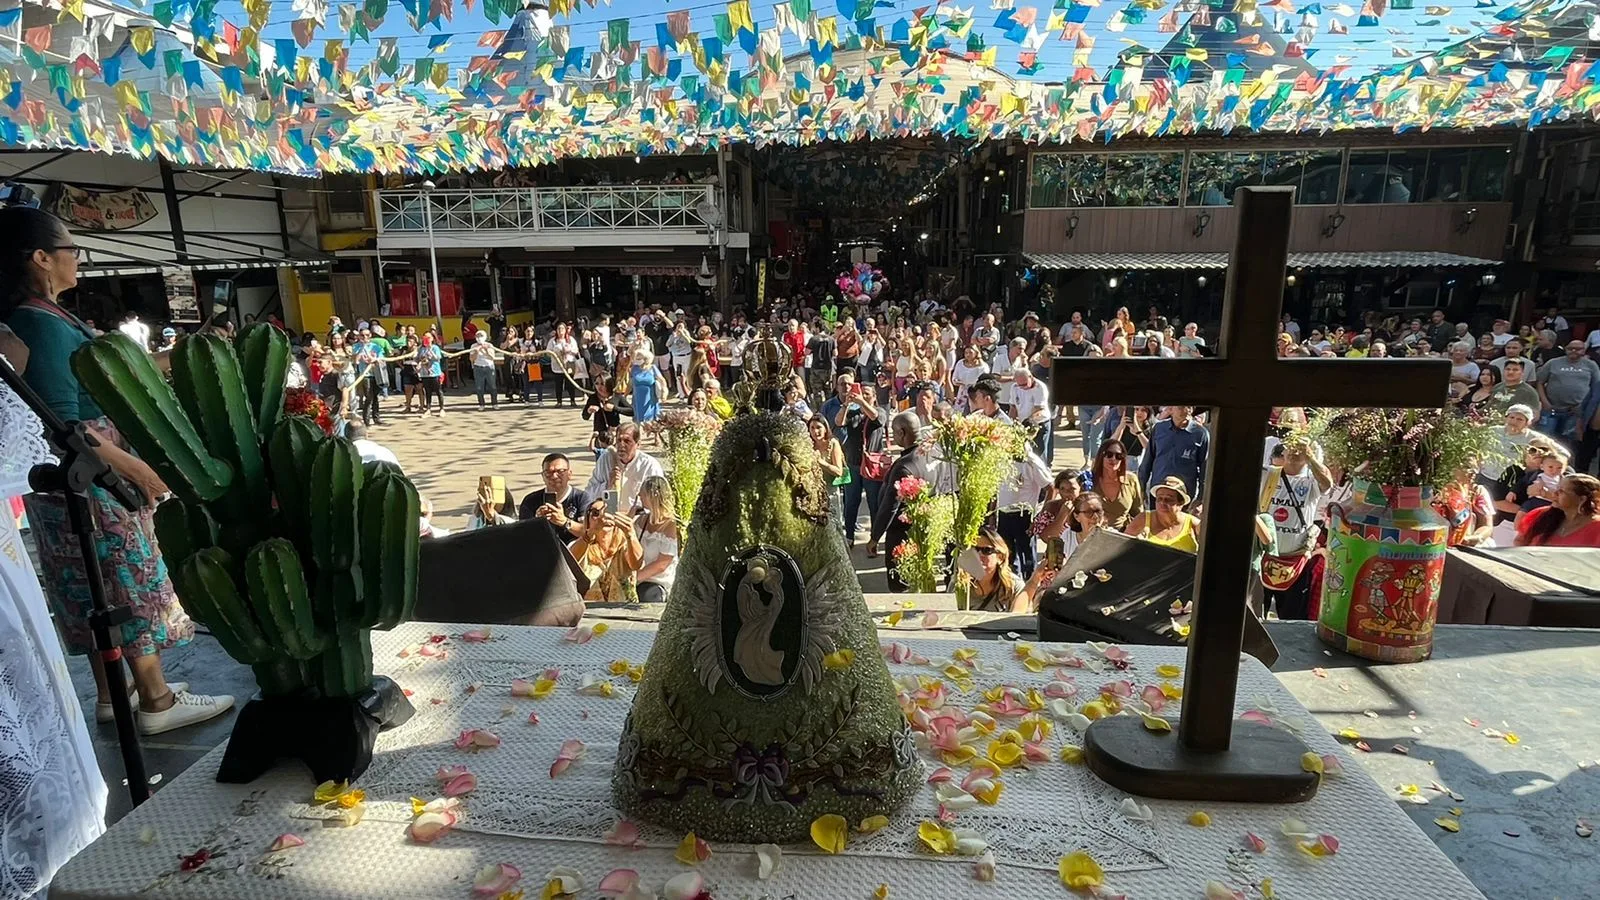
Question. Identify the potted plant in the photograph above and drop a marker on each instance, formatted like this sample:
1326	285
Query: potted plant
1386	545
279	540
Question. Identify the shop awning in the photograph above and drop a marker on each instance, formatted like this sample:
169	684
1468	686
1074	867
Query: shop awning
119	254
1374	259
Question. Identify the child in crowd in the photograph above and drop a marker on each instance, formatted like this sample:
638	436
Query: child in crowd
1542	483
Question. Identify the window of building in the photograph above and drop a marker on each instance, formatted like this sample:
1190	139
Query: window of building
347	194
1213	177
1467	174
1313	173
1098	179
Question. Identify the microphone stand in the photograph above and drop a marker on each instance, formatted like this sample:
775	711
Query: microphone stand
80	468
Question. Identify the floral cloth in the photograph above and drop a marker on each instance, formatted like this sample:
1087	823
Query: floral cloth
130	563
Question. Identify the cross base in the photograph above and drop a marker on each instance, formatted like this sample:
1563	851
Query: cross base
1262	765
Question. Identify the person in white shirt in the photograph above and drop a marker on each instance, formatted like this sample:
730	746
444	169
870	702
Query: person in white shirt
371	451
623	468
1501	330
564	348
140	332
425	520
966	373
1030	405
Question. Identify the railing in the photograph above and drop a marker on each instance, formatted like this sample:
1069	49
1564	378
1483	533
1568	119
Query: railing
1586	217
617	208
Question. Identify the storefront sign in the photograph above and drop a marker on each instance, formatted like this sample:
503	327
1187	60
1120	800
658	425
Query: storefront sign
101	210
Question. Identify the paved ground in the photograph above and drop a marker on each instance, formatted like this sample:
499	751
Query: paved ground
444	456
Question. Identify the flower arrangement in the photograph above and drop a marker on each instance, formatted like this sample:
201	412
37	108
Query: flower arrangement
981	449
931	516
1402	447
689	435
302	402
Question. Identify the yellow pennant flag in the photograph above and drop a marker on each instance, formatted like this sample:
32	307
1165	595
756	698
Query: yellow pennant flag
127	94
827	32
739	16
1196	54
143	39
73	8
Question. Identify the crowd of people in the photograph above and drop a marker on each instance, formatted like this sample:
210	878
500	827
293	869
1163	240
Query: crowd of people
869	381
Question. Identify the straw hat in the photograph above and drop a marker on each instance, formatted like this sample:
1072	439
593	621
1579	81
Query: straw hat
1174	484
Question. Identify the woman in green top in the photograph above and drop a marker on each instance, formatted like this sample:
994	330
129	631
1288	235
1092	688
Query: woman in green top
38	261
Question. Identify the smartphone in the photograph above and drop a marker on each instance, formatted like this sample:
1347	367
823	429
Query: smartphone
855	389
611	502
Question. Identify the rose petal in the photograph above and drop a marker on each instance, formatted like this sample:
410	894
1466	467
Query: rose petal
618	882
561	764
475	636
941	775
445	773
930	619
1216	890
432	825
493	880
686	886
1311	762
1080	872
596	686
692	851
839	660
983	869
465	783
769	858
284	842
571	751
623	834
1254	842
1199	819
147	834
562	881
829	832
1135	812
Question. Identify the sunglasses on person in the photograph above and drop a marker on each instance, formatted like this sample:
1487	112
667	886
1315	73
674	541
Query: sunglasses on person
986	551
1116	454
1169	500
597	511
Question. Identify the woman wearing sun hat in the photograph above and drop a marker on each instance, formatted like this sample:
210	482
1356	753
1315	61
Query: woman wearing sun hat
1167	524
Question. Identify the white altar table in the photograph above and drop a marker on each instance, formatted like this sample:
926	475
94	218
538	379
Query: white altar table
520	814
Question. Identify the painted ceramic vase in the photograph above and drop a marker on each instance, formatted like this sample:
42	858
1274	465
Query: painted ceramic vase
1386	560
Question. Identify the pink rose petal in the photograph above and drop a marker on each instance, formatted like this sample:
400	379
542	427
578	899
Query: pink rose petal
493	880
941	775
623	834
521	687
533	718
687	886
1035	752
617	882
1255	715
1153	698
571	751
432	825
446	773
930	619
1060	690
286	841
1254	842
465	783
475	636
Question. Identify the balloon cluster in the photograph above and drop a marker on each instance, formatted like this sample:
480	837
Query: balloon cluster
862	281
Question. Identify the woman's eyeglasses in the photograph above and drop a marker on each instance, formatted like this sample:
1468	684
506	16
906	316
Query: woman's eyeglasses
987	551
77	252
1115	455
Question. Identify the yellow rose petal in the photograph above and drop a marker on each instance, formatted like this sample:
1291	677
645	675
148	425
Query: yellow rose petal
543	688
1168	671
619	667
688	850
600	628
965	654
960	754
1171	691
936	837
1350	734
1156	724
1095	709
1199	819
1035	727
1071	754
839	659
351	797
894	618
1448	824
881	892
1311	762
1005	753
873	823
1409	790
636	674
829	832
329	791
1511	738
1081	873
1033	665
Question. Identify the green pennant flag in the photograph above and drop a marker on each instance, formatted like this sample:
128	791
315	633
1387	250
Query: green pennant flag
423	68
376	9
801	9
724	29
59	80
617	33
33	58
1225	25
163	13
358	30
173	61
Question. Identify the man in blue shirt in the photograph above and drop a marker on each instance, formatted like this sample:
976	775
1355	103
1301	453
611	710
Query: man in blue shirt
1178	447
844	392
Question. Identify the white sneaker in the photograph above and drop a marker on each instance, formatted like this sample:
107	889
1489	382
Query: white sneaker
105	716
186	709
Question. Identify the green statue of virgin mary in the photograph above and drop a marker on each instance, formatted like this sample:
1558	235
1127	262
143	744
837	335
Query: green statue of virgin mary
766	702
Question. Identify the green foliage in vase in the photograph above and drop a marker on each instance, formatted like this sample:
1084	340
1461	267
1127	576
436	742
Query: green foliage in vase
278	539
983	451
1404	447
689	436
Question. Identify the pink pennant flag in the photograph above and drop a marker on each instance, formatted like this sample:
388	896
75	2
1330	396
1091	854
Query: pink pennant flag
303	30
491	38
38	38
1168	23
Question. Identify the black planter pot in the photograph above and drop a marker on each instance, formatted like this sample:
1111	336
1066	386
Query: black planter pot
333	736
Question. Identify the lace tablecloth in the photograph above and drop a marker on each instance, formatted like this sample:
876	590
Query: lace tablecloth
521	815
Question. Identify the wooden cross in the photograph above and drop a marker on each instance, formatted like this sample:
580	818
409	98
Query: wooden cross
1213	756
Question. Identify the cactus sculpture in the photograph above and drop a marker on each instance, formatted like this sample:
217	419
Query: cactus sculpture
277	538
